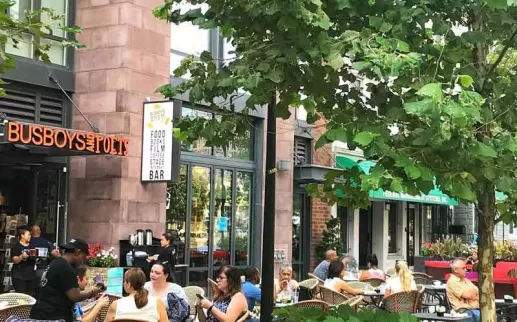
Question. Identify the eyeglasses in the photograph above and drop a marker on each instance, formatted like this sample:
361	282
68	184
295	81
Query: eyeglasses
221	278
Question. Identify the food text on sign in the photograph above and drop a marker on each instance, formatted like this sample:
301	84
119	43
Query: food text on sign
157	155
38	135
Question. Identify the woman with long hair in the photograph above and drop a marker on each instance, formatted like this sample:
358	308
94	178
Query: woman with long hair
167	254
23	273
230	303
335	281
161	283
139	305
373	269
83	276
402	282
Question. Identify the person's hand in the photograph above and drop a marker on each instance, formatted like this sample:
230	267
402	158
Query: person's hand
283	284
204	303
103	301
25	255
95	291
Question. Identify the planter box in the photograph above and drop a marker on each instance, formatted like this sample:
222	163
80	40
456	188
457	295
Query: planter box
418	263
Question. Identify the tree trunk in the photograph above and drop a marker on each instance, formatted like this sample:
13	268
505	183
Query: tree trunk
486	221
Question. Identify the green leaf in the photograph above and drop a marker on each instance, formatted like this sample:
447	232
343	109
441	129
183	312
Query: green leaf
335	60
385	27
506	184
336	135
342	4
412	172
510	144
321	142
421	108
483	150
512	3
275	76
462	190
365	138
496	4
396	185
361	65
465	80
375	22
252	81
402	46
433	90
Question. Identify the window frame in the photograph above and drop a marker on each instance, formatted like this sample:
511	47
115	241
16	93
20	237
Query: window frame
393	243
70	11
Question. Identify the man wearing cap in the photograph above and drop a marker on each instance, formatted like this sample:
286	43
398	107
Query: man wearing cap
58	289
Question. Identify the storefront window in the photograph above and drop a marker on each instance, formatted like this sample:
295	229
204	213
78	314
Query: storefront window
392	228
222	217
200	216
242	218
25	48
176	208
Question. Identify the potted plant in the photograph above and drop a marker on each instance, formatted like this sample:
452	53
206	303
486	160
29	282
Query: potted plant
100	260
440	310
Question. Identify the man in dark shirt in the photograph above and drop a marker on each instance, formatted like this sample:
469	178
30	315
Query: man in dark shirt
39	242
59	290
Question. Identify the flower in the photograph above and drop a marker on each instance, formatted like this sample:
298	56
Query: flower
99	257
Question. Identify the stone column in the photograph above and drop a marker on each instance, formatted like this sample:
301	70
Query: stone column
127	56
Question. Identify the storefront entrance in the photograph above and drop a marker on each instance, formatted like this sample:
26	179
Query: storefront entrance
211	208
365	235
301	234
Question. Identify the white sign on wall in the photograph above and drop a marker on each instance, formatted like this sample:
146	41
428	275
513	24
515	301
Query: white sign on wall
157	140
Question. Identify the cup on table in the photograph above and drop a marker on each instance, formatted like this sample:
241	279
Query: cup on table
295	294
432	309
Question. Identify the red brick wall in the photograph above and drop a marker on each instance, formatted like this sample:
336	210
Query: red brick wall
321	211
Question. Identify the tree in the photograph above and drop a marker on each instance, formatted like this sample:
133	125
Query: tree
331	239
14	31
417	85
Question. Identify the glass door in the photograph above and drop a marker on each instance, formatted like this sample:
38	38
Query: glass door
301	234
410	233
365	235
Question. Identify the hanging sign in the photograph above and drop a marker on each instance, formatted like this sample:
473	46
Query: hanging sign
66	139
222	224
157	140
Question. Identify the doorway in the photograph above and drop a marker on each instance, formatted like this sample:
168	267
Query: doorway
410	233
301	243
365	235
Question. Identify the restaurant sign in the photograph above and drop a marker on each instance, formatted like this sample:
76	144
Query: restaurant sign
157	141
66	139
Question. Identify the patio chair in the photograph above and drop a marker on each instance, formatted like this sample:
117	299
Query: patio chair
391	271
403	302
191	292
104	311
311	285
422	278
21	312
357	285
355	301
244	317
312	276
421	305
213	286
17	299
313	304
374	282
332	297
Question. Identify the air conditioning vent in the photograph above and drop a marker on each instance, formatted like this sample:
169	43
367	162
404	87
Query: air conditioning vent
301	151
19	106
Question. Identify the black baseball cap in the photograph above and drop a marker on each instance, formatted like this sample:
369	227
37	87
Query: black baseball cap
77	243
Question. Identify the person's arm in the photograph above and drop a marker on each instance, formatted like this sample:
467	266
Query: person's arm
76	295
68	284
387	290
237	306
91	316
161	311
17	255
345	288
457	290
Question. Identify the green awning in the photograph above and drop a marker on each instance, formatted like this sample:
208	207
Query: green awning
434	196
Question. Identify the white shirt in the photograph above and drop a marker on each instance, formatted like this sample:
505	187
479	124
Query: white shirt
171	288
331	283
393	284
126	309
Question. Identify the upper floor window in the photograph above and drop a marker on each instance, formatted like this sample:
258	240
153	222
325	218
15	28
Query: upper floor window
26	48
240	148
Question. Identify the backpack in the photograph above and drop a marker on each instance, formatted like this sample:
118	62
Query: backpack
179	309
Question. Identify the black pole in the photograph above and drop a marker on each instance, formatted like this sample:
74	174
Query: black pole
268	235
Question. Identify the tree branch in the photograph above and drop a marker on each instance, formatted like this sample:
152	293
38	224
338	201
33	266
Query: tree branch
503	52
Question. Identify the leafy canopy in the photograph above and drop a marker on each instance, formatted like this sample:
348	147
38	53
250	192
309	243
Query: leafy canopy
413	83
15	31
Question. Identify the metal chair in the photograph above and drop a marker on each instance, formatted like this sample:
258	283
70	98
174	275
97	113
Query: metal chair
421	289
313	304
17	299
332	297
191	292
21	312
374	282
422	278
104	311
312	276
403	302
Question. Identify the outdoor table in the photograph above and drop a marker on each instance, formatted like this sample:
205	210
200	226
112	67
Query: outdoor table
374	296
434	317
438	292
280	305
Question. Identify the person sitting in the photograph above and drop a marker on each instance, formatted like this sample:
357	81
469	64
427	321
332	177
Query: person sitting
139	305
285	281
252	293
462	294
83	276
335	281
230	303
321	271
402	282
373	269
473	259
